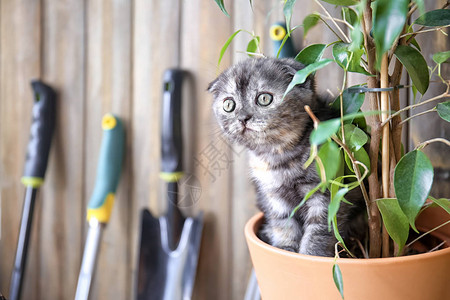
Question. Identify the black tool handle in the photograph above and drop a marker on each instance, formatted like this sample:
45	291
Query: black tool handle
42	127
171	140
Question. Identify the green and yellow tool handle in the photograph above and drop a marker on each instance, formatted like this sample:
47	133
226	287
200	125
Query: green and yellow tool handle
278	32
108	169
42	128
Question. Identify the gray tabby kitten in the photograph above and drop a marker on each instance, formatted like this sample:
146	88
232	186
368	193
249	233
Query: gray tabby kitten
249	108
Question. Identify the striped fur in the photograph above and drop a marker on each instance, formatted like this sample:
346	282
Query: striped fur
277	139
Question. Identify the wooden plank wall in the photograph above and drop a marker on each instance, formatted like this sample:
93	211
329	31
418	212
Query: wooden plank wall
109	56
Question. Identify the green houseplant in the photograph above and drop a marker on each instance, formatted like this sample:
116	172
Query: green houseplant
377	39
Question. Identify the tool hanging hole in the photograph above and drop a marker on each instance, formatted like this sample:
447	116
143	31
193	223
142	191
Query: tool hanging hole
168	86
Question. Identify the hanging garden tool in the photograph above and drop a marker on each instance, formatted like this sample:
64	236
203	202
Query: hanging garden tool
277	34
170	244
102	199
42	127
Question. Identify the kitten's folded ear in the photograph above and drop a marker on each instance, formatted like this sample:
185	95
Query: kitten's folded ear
212	85
291	66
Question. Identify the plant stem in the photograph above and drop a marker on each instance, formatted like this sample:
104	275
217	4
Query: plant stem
346	39
331	29
312	116
337	20
341	102
384	83
374	220
438	246
423	31
385	163
429	231
252	54
416	115
397	124
445	94
426	143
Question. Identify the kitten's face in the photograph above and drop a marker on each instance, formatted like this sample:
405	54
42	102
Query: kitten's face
249	104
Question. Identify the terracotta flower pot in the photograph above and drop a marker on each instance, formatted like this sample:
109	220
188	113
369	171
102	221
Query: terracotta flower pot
284	275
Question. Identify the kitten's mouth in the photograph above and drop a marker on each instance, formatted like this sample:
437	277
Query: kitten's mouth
245	129
250	128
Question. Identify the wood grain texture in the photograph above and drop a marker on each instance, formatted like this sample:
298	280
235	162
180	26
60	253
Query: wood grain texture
63	209
20	62
201	44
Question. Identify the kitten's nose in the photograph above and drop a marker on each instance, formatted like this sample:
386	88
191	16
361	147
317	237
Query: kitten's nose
244	119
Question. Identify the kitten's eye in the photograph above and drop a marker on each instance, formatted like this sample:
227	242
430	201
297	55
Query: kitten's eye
229	105
264	99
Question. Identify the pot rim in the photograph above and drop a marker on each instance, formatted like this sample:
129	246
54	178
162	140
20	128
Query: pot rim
254	222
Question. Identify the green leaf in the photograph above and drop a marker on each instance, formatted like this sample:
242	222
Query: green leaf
311	54
416	66
340	55
355	138
389	19
222	7
225	46
420	5
301	75
335	186
356	34
329	127
342	2
357	38
309	22
324	131
352	102
441	57
252	46
349	15
415	44
337	234
307	196
443	110
361	156
361	123
434	18
413	177
337	277
335	202
444	203
287	11
414	90
348	60
330	154
394	220
355	62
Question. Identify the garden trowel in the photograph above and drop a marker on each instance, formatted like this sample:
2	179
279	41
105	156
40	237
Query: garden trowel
169	245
